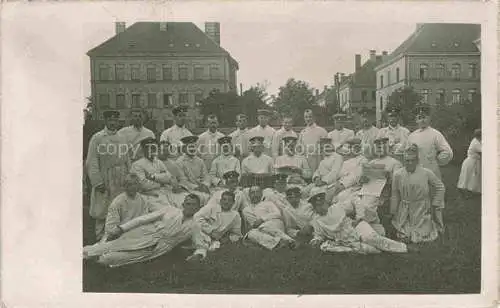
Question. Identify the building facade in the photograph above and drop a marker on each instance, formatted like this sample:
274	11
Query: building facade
439	61
358	90
156	66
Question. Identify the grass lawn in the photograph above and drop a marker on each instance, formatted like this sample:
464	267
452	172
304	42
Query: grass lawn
449	265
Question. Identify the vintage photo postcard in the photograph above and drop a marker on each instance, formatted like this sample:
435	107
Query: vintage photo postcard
272	153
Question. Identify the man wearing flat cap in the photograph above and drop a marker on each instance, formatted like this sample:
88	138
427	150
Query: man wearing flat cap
434	149
368	132
224	163
309	140
209	147
286	130
107	165
263	129
397	134
135	133
257	166
340	134
175	133
301	172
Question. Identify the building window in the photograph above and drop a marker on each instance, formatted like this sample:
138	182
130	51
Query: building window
214	72
374	96
471	94
473	71
381	81
440	71
120	101
388	78
135	72
456	96
397	74
136	101
167	100
381	104
104	73
152	100
167	72
120	72
104	100
151	73
455	71
183	99
425	95
363	95
440	96
183	73
198	72
198	97
424	72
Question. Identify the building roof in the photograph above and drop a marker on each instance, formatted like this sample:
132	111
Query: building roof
365	75
146	37
439	38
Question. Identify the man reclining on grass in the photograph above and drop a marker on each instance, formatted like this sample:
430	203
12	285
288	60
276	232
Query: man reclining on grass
333	231
220	223
149	236
268	229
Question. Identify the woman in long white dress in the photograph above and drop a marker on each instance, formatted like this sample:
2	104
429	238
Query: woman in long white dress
470	176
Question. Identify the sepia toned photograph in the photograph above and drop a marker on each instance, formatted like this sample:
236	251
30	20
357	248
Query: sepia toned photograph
282	158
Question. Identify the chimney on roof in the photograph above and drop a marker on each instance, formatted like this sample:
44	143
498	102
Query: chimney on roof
163	26
357	62
325	87
212	30
384	55
120	27
373	54
317	92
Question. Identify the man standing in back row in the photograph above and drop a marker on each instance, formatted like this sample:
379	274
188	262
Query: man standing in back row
397	134
178	131
340	134
263	129
135	133
433	149
309	140
240	137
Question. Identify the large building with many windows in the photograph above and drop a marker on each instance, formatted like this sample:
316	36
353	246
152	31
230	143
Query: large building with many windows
159	65
439	61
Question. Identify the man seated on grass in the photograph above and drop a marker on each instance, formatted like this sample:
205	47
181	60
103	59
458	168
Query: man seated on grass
265	221
329	168
149	236
127	206
154	178
220	223
300	172
168	157
278	189
296	212
224	162
375	187
333	231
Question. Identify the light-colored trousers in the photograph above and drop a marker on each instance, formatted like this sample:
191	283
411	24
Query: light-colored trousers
269	234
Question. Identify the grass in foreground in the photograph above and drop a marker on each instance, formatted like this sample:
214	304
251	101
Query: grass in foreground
450	265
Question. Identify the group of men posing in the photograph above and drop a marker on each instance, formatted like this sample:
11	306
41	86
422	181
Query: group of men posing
271	188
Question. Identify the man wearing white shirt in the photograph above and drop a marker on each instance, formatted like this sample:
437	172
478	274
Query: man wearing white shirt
257	167
286	130
208	141
135	133
309	140
264	130
368	133
240	137
178	131
397	134
340	134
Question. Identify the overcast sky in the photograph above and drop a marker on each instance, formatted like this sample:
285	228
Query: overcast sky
311	51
